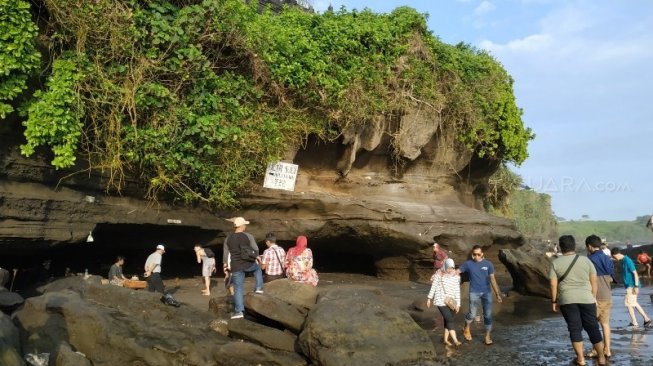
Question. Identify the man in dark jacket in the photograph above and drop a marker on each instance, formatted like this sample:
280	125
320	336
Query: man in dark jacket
236	246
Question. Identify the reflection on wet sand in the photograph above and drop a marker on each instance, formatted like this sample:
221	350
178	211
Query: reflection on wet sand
526	332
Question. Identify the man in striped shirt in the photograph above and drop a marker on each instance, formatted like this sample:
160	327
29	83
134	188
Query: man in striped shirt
273	259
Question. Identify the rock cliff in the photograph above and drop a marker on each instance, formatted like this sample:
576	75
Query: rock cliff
351	199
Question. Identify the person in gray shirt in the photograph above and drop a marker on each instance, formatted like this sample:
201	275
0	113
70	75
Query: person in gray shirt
115	272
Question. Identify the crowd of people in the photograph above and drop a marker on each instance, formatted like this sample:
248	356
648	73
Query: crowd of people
581	289
240	257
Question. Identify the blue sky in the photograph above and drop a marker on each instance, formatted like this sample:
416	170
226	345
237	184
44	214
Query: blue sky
583	75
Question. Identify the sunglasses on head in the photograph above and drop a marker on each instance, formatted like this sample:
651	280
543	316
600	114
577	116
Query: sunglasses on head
477	254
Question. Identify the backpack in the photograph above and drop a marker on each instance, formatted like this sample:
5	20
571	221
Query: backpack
209	253
248	254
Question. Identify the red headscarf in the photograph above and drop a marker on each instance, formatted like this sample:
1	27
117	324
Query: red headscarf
299	247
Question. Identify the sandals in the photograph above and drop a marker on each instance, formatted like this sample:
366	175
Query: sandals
647	323
576	362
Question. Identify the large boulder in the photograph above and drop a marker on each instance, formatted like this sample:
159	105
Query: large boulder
9	301
529	269
260	334
290	316
113	325
299	294
65	356
9	343
352	329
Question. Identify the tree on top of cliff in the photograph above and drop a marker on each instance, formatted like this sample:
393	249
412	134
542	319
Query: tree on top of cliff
196	97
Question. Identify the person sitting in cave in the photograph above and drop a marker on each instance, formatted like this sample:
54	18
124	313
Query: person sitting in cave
115	272
299	263
207	258
273	259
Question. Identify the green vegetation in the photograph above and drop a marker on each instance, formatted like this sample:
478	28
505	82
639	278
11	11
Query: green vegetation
530	210
614	231
196	97
18	55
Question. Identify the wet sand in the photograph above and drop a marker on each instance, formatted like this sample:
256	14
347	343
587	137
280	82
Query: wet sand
526	331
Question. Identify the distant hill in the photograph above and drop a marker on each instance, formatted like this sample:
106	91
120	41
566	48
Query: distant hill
614	231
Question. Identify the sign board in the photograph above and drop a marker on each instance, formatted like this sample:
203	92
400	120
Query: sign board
281	175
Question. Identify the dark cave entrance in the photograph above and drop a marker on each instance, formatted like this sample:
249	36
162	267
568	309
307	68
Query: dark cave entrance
136	241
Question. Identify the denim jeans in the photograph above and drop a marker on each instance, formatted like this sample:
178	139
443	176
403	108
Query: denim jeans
485	298
238	279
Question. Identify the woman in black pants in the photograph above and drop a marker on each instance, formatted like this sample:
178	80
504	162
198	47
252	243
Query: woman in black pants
573	290
445	294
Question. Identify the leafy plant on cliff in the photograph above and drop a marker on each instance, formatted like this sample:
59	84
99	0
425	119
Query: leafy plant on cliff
18	55
196	97
530	210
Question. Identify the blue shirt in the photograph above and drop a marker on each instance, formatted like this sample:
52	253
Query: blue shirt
602	263
479	274
627	269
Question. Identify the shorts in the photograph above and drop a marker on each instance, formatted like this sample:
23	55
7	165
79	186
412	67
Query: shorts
603	309
208	267
631	298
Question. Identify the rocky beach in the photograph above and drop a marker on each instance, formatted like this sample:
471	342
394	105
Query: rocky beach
108	324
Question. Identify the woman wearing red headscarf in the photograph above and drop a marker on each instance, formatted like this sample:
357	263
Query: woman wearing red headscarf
299	263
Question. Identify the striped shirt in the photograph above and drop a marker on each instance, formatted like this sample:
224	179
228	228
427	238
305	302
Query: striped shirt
272	263
444	284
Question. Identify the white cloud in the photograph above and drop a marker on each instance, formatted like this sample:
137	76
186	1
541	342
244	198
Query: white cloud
529	44
484	8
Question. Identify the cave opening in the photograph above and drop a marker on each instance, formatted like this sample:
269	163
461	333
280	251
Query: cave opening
136	241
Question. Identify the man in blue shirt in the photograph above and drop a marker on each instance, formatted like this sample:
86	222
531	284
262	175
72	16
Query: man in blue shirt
632	284
604	277
481	277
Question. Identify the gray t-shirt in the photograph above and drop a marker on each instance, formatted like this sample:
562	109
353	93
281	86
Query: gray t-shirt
576	287
115	271
154	258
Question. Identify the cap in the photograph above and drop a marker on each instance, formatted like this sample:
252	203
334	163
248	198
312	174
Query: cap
160	246
238	221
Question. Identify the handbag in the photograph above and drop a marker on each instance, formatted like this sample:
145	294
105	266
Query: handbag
448	300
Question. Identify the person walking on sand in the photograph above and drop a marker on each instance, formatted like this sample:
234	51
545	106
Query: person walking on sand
273	259
605	275
445	294
207	258
236	248
632	284
481	278
573	290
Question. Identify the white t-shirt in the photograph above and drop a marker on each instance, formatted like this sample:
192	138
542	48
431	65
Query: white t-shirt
154	258
607	252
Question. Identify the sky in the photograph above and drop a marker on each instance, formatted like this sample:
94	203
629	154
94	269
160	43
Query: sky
583	72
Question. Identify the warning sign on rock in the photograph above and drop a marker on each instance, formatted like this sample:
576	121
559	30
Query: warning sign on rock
281	176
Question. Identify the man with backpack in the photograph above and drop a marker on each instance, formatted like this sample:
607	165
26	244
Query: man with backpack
273	259
242	250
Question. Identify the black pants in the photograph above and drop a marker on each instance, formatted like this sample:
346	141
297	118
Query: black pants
447	316
579	317
155	283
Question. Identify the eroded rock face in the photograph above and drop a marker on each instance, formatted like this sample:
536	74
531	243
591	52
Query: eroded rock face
366	195
529	268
